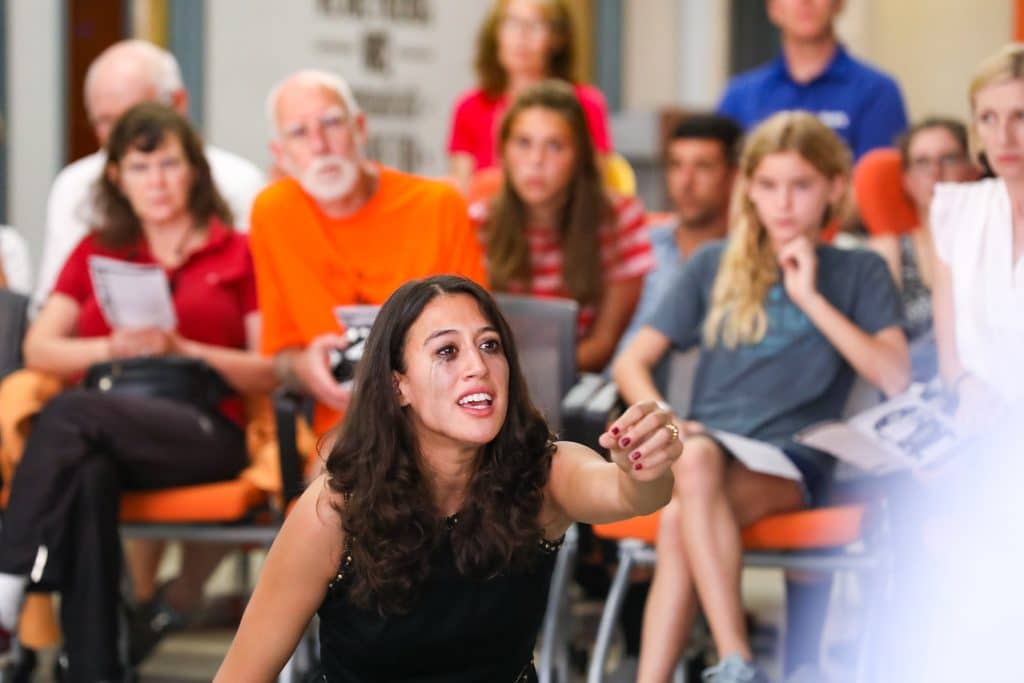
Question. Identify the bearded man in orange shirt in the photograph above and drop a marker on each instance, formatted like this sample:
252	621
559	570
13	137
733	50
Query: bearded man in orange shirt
339	229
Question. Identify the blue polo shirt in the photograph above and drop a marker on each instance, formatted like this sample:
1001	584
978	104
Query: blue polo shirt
860	103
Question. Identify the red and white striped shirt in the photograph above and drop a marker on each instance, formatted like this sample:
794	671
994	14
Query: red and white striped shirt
625	254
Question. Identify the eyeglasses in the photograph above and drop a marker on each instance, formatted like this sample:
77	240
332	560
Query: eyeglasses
946	162
331	123
530	27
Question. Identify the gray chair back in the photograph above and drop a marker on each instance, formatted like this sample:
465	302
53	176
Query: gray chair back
13	325
545	335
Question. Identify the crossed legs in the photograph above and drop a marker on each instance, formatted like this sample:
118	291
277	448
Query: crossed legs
700	553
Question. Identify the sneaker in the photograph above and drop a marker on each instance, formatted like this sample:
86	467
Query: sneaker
733	669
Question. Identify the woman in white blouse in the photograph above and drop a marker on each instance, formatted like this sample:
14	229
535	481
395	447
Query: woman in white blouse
979	238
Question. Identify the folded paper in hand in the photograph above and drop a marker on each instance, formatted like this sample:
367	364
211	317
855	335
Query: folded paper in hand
906	432
131	295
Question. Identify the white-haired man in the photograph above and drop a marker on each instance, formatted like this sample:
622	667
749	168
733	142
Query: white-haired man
340	230
123	75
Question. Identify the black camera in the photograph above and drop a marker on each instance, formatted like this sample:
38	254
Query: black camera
343	362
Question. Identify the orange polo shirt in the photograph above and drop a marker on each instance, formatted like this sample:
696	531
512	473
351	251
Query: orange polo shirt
308	263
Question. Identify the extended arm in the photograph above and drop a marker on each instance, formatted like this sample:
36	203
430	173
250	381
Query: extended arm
585	488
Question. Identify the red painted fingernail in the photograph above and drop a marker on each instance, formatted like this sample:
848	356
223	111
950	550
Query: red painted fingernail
635	455
638	466
615	431
625	442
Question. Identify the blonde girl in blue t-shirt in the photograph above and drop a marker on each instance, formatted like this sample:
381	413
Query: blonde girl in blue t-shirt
783	324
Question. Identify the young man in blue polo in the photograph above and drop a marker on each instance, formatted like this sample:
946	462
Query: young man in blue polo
814	72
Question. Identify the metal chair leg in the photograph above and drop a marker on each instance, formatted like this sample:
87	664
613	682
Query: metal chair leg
612	607
289	674
554	633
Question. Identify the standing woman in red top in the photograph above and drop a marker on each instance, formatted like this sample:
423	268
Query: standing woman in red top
554	231
155	204
521	43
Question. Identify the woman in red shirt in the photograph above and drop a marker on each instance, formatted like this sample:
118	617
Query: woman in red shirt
155	204
522	42
554	231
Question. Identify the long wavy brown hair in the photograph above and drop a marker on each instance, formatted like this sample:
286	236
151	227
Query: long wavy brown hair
587	207
389	518
491	75
144	128
749	266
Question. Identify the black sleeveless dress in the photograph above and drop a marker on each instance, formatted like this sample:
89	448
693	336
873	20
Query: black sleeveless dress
461	631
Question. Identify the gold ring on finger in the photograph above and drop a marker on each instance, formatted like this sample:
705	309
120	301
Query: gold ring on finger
673	430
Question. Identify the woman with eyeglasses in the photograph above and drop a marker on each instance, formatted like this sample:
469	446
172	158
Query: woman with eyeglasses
156	205
934	150
521	43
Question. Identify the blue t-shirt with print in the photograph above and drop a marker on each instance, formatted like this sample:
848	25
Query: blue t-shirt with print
793	377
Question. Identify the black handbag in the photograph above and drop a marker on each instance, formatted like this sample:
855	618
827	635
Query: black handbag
186	380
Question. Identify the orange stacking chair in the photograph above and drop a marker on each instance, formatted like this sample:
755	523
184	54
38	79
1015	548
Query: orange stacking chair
882	202
820	540
244	510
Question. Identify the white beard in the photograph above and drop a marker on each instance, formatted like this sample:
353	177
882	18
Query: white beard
326	189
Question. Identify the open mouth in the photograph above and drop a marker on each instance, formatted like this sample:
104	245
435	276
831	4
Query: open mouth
479	401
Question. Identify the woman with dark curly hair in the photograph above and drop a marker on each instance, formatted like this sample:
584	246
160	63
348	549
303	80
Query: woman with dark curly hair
428	546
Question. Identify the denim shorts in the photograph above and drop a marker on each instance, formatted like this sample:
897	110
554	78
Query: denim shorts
815	469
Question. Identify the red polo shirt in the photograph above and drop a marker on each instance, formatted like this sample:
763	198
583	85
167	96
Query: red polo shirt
213	291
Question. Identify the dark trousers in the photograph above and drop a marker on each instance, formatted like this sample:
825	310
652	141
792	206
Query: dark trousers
84	449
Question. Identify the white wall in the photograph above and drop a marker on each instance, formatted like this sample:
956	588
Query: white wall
930	46
251	44
933	47
703	52
35	129
650	70
675	53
